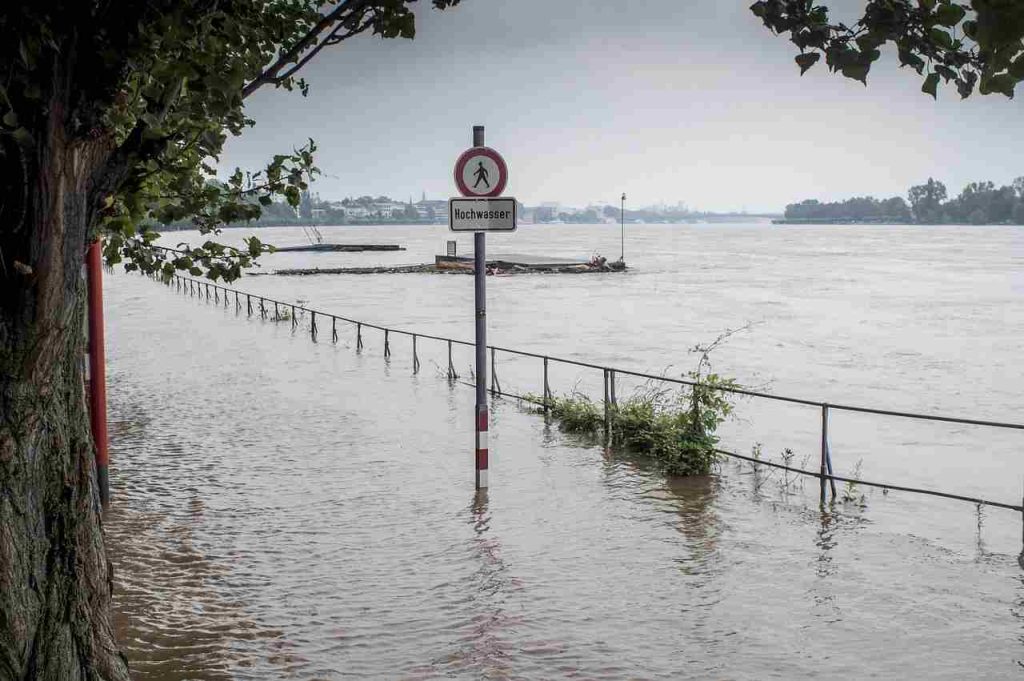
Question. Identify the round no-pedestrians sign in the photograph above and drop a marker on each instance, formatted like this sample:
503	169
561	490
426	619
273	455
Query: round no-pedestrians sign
481	171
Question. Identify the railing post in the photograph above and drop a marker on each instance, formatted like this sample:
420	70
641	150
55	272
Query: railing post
547	388
415	357
824	450
334	329
451	365
607	413
312	326
612	381
359	337
494	372
387	344
828	453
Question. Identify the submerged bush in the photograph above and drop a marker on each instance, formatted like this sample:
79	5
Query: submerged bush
676	429
577	414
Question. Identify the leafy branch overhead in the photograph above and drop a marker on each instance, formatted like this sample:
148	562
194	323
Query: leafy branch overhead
157	87
975	46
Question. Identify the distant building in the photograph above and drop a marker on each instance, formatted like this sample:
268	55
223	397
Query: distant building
387	209
433	210
356	212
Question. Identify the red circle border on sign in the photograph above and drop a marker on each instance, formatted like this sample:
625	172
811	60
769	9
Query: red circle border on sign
460	165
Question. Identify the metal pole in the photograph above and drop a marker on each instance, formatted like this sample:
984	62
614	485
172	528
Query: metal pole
622	224
547	389
98	370
828	455
824	449
480	292
494	370
607	414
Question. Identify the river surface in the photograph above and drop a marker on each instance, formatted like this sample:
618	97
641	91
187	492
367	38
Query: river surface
284	509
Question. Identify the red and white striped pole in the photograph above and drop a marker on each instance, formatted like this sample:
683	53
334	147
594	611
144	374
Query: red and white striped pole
97	376
481	447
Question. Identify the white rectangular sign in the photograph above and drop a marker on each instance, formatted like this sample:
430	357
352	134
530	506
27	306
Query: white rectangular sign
482	215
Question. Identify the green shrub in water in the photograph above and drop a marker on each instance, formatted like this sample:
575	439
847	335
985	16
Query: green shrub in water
577	414
676	429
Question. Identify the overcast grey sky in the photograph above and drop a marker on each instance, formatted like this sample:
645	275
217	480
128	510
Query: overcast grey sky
667	100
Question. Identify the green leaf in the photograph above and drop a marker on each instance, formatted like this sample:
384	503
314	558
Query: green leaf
941	38
1016	68
858	71
950	15
908	58
807	60
931	83
965	85
1004	83
10	119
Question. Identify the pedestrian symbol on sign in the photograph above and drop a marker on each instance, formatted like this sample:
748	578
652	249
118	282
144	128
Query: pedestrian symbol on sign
481	175
481	172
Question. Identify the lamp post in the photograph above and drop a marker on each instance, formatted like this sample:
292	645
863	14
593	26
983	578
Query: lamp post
622	223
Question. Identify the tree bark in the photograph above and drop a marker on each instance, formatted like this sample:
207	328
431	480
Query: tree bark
55	580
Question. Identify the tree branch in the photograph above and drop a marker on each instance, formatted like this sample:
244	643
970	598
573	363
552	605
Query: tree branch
332	39
271	74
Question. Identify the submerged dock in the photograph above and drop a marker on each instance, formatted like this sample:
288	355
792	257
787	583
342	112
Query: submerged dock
339	248
500	265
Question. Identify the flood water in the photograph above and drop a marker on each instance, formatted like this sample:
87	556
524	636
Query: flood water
284	509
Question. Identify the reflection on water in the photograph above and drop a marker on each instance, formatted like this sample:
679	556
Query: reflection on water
483	650
290	510
825	603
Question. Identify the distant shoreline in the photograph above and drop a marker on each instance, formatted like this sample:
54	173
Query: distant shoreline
878	222
746	219
841	221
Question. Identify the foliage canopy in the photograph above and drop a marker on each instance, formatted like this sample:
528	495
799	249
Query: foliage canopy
154	88
977	45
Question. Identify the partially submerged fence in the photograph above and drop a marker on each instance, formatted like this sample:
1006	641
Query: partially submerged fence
222	294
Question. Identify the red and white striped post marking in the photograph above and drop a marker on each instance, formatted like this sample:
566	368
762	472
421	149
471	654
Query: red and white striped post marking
481	447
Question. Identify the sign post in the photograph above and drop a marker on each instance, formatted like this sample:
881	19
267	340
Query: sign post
481	175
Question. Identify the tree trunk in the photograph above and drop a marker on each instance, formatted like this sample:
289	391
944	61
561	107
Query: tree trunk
55	581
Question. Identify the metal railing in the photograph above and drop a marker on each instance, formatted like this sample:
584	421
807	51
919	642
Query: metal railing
825	474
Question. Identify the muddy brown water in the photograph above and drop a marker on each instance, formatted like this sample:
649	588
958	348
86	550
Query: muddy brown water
291	510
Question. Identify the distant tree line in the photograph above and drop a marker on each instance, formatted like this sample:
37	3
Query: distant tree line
980	203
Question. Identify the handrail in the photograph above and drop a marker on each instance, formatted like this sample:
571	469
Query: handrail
825	474
640	374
